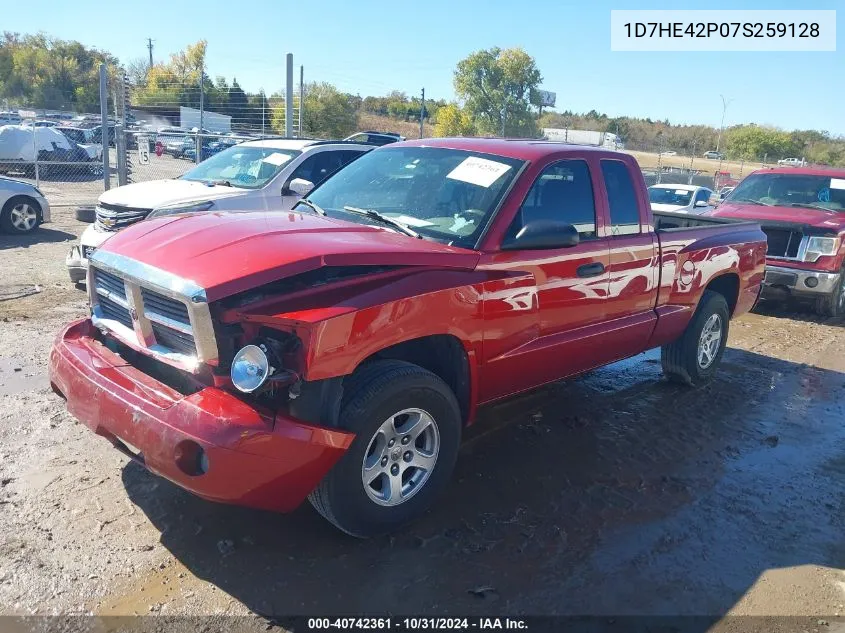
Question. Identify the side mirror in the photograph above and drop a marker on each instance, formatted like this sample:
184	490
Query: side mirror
298	186
702	203
541	234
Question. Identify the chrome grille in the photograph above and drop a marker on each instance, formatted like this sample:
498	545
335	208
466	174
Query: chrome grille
113	310
147	317
113	217
173	339
159	305
111	284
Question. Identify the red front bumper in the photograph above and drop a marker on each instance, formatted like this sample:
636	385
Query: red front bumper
253	460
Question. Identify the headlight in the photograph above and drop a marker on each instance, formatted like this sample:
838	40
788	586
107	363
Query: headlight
818	246
193	207
250	368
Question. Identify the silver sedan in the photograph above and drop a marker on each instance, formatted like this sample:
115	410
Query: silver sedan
22	206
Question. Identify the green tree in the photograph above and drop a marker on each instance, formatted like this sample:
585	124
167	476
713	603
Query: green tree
753	142
328	112
495	86
453	121
238	104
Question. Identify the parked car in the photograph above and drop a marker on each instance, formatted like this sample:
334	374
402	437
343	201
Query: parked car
669	153
679	198
257	175
802	212
724	191
375	138
176	146
18	150
338	351
791	162
84	138
714	155
22	206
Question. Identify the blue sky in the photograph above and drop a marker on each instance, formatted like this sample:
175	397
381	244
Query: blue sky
370	47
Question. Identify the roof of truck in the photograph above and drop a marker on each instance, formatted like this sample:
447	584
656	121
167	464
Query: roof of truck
522	149
817	170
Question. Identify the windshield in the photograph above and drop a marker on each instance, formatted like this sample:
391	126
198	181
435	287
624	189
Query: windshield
445	194
791	190
246	167
676	197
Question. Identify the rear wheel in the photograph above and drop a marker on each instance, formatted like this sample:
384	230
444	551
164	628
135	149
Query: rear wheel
833	305
20	215
694	357
408	429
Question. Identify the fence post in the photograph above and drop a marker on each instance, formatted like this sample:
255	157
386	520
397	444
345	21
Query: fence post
104	120
119	136
198	143
35	149
289	97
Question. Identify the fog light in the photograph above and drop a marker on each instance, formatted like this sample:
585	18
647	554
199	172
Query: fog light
191	459
811	282
250	368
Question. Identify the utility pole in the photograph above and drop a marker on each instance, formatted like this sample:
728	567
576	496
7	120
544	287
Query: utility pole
725	103
150	47
289	97
422	112
202	111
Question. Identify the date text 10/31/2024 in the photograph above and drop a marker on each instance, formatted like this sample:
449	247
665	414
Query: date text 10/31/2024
415	624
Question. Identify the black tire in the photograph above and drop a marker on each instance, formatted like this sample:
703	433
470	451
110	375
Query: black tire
6	223
86	214
680	359
833	305
373	394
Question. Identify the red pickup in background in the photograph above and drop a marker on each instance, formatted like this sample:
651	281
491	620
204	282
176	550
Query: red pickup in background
802	213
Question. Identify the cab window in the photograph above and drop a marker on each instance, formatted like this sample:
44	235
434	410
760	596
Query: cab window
621	198
563	192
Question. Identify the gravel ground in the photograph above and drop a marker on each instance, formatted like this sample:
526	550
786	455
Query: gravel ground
613	494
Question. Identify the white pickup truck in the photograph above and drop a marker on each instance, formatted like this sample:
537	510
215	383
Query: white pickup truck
267	175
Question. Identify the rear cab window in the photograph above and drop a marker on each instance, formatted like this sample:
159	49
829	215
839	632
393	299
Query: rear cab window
622	200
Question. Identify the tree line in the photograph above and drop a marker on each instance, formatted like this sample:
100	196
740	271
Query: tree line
497	93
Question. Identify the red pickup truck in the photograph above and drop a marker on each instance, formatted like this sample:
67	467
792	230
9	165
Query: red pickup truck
802	212
337	351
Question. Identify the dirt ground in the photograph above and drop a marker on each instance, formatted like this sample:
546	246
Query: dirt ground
613	494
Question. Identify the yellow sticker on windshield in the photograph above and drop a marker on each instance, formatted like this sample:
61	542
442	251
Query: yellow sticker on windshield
478	171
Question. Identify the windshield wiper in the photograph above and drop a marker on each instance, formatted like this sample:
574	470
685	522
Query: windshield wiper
308	203
811	206
375	215
225	183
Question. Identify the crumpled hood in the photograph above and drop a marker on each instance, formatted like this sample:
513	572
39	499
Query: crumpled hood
227	253
834	220
157	193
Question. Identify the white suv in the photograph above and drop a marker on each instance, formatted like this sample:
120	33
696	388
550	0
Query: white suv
269	175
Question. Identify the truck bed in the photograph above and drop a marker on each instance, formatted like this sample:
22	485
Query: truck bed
668	221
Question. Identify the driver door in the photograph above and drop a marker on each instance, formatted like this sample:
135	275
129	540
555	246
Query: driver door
543	321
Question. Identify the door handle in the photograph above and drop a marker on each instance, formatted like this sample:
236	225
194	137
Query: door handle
590	270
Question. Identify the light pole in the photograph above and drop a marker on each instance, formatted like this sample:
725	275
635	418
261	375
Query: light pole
725	103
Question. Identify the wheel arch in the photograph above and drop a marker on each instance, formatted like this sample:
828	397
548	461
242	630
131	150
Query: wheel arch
445	356
727	285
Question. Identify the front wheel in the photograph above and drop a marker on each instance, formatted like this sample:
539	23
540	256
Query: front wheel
694	357
833	305
408	429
